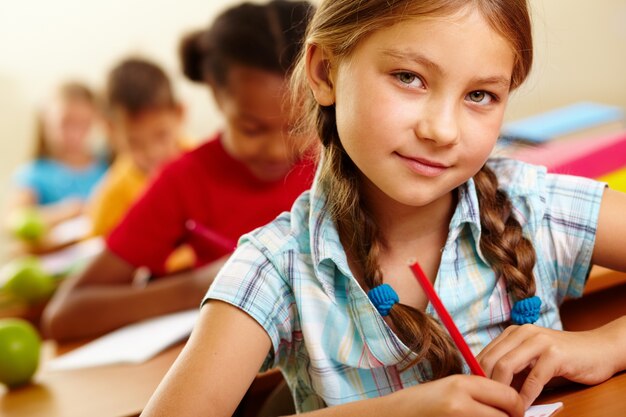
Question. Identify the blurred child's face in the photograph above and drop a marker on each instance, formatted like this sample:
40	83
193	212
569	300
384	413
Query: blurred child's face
257	121
67	125
151	138
419	106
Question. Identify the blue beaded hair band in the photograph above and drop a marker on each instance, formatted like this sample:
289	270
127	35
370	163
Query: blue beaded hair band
526	311
383	297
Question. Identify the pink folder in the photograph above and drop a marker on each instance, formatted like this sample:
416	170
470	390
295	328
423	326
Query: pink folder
588	157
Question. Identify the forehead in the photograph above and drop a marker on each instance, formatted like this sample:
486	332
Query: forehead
153	117
463	40
64	106
251	90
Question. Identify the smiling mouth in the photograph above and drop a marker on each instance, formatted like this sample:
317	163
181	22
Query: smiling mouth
424	167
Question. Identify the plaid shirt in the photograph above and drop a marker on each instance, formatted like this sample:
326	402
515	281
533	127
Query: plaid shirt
332	346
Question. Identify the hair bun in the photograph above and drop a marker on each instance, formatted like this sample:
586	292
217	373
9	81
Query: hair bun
192	56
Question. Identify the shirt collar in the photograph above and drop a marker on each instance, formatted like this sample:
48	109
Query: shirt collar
328	252
326	249
466	214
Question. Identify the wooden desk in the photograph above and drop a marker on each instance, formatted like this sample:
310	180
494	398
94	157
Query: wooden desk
107	391
604	400
602	302
116	391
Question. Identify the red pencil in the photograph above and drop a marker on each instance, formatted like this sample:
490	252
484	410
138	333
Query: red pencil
447	320
210	235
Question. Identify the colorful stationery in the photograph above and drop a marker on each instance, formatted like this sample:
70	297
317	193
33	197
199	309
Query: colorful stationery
589	157
544	410
210	235
563	121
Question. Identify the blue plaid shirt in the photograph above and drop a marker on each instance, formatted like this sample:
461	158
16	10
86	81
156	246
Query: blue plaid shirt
292	276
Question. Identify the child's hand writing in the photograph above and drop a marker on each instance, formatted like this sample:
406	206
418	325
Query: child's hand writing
583	357
459	395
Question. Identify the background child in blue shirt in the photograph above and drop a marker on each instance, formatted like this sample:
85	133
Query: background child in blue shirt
407	98
65	167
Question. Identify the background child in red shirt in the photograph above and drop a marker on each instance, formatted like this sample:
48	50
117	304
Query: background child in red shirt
239	180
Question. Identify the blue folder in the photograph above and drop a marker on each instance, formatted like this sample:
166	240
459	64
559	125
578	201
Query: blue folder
562	121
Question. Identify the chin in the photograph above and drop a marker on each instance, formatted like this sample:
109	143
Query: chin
270	175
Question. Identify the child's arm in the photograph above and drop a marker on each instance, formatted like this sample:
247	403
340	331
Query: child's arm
104	297
586	357
609	250
227	347
51	214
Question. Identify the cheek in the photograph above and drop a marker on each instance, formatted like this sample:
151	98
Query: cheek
240	145
480	136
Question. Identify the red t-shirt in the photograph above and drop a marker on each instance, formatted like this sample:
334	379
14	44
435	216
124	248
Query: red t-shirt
208	186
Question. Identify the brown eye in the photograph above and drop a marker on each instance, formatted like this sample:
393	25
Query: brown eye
406	77
477	96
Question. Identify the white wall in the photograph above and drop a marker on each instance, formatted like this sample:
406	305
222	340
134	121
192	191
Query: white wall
580	51
44	42
580	54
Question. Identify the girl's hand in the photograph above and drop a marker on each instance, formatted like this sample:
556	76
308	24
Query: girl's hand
460	395
585	357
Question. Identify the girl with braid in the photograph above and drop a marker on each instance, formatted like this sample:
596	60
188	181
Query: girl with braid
407	98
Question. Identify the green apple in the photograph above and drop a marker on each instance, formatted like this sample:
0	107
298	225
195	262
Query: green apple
24	278
27	224
20	346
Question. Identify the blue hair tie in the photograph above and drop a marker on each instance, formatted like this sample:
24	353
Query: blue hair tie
383	297
526	311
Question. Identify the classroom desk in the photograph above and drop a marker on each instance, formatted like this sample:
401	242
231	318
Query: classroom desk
124	390
602	301
108	391
604	400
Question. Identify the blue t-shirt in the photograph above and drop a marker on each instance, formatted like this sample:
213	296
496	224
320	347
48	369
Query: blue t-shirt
52	181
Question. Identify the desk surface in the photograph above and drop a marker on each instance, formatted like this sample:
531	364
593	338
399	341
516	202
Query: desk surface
109	391
124	391
604	400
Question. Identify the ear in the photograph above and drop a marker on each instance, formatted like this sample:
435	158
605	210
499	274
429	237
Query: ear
318	71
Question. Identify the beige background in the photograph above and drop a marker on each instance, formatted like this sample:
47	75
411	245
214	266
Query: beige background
580	55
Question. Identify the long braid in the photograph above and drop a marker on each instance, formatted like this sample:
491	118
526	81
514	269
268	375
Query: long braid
502	242
360	233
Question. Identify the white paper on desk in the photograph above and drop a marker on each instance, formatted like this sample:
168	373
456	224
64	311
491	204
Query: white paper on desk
132	344
70	230
542	410
62	261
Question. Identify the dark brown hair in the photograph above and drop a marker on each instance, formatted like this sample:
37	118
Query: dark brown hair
267	37
338	27
135	85
69	91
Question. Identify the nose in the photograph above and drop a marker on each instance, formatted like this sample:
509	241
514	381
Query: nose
278	148
438	122
157	155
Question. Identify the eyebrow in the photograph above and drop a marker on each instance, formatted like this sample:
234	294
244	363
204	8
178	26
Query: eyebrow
413	56
497	80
